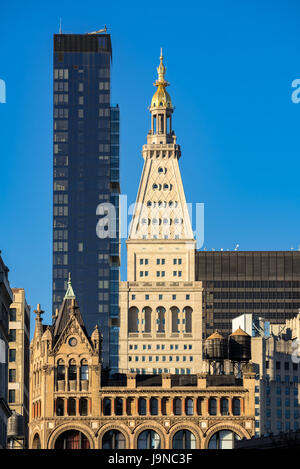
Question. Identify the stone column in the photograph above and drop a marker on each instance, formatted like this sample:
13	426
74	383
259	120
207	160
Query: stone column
195	410
77	378
242	405
148	406
159	405
66	406
112	400
230	406
218	406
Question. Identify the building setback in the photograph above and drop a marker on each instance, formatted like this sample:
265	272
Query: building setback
86	174
265	283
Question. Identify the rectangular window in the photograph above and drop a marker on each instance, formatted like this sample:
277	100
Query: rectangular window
12	335
12	355
11	396
12	375
12	314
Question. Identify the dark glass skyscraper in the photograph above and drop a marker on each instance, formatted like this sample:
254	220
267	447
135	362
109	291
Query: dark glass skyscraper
86	174
263	283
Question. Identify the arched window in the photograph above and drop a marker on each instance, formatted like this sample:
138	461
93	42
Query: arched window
184	439
72	371
60	407
106	406
212	406
153	406
175	319
147	315
72	439
113	439
189	406
83	406
161	319
142	406
118	406
224	406
177	406
133	319
224	439
36	444
236	406
60	370
188	319
84	370
149	439
71	406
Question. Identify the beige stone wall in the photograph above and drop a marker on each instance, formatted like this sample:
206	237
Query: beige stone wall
182	350
131	424
45	389
21	362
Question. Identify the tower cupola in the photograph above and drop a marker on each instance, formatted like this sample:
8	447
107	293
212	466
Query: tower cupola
161	109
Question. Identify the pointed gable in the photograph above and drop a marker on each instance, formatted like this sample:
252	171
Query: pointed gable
69	306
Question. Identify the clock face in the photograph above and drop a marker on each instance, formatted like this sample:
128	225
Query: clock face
72	342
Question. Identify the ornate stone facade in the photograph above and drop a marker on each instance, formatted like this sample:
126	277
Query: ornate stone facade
76	404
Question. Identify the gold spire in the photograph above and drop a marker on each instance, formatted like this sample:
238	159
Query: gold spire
161	70
161	97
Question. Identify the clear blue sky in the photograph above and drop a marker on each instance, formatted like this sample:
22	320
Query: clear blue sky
230	64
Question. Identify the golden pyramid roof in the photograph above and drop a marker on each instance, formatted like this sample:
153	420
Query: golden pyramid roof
240	331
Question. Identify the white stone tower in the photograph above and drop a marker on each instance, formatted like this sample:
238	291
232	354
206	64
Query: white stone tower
161	301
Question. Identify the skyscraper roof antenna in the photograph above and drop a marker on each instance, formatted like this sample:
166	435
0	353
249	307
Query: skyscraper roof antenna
60	26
